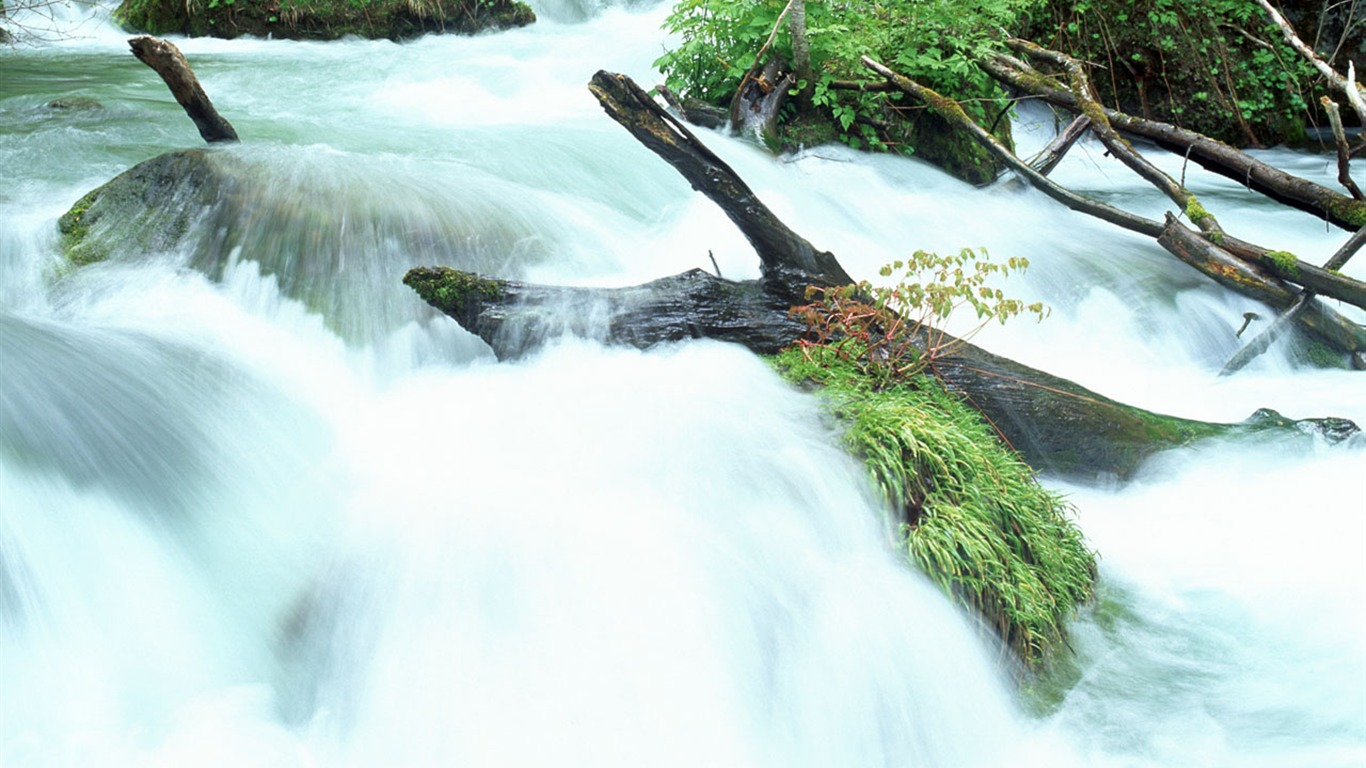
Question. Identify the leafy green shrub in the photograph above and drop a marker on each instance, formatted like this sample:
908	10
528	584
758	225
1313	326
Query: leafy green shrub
888	331
934	41
1215	66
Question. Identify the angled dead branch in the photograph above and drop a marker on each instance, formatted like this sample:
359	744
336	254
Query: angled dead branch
1320	201
167	61
1344	151
1355	94
1201	252
1049	157
1116	144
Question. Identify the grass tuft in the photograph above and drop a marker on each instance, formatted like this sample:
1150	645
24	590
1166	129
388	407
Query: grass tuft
974	517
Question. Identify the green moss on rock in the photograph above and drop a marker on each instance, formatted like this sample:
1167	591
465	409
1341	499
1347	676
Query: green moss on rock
139	210
450	290
74	228
75	104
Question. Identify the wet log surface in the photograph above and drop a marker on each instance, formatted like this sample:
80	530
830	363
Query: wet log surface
1056	425
168	62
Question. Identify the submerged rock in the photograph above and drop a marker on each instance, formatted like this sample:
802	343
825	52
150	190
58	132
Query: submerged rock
75	104
332	231
152	194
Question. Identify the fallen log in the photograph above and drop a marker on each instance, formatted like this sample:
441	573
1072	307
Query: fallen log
1215	156
1051	155
1236	274
515	318
168	62
1056	425
1210	259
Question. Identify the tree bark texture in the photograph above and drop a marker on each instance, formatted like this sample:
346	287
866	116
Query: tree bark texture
1246	277
167	61
1215	156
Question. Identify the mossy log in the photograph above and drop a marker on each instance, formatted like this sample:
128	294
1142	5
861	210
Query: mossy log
1260	276
515	318
1055	424
1215	156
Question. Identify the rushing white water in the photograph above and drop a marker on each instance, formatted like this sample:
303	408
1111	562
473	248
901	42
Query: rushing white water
261	507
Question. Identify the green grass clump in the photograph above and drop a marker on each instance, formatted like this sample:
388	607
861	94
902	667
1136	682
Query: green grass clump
975	518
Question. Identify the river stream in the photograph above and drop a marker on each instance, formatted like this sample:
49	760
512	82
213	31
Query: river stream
279	513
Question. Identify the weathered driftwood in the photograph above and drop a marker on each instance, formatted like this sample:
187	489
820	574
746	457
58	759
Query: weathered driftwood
1260	280
515	318
167	61
1049	157
1215	156
1056	424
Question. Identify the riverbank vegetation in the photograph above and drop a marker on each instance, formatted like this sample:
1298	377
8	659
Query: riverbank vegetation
1220	67
320	19
972	515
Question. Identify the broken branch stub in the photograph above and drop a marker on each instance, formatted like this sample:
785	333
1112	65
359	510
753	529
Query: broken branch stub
167	61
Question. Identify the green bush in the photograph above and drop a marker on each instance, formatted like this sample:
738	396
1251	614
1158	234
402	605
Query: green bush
1214	66
933	41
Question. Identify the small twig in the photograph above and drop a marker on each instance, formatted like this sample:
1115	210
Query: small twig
714	265
1344	152
759	57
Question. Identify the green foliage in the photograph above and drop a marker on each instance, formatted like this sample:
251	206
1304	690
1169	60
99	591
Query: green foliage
977	522
1215	66
933	41
888	331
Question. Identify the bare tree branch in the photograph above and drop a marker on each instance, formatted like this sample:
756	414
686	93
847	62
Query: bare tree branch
1339	209
1344	151
166	60
1345	85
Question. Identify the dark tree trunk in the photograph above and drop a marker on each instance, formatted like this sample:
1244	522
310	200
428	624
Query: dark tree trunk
166	60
